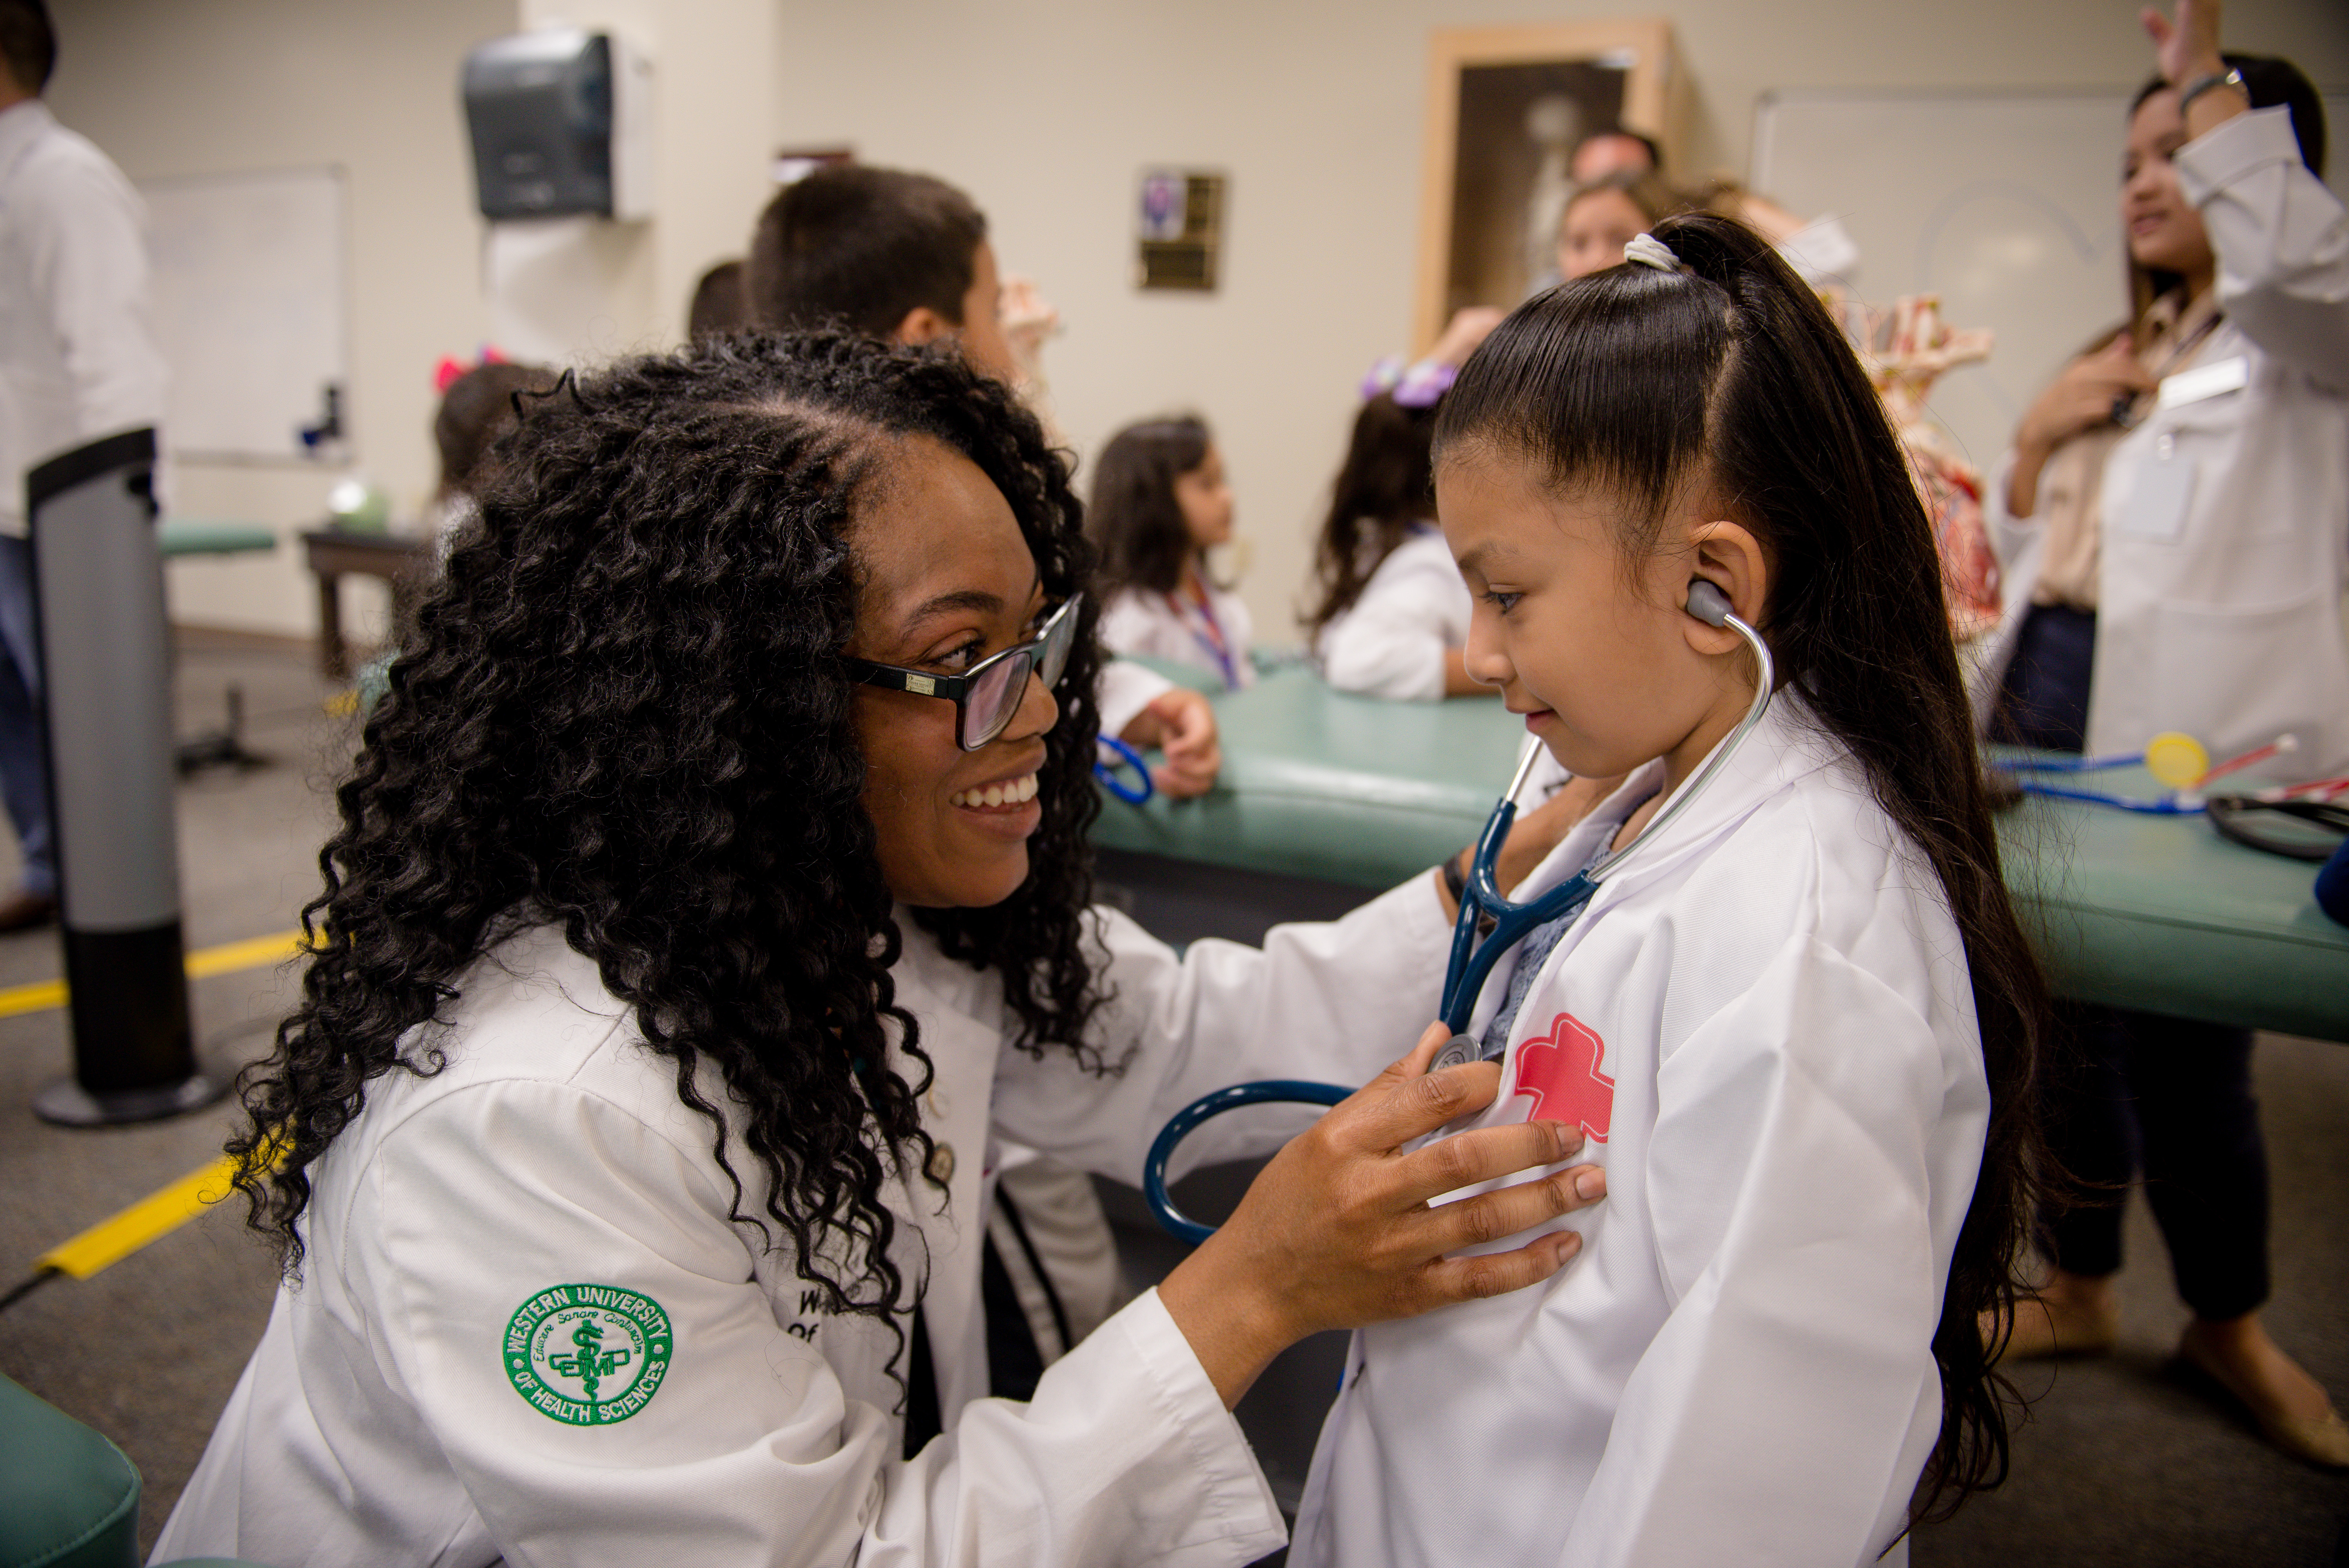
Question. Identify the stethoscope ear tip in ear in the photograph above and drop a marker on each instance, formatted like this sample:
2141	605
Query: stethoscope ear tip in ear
1708	604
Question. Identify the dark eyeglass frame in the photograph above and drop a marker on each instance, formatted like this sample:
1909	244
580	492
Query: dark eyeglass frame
1046	655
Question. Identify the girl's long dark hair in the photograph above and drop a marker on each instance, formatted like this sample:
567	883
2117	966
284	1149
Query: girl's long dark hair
1386	485
1732	373
1136	522
624	712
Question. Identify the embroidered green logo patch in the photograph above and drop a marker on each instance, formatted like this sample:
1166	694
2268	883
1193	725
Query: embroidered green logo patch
588	1355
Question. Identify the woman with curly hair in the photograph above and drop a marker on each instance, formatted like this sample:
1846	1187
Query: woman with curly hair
710	892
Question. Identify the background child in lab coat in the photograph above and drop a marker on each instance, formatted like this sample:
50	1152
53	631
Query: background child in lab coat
1160	502
1393	613
1801	1018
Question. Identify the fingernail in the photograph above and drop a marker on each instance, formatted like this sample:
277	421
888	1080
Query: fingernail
1590	1184
1568	1244
1568	1135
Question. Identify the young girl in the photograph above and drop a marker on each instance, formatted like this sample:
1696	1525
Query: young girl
1393	613
1160	503
1799	1021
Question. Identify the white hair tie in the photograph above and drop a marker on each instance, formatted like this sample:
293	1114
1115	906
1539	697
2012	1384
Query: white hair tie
1650	252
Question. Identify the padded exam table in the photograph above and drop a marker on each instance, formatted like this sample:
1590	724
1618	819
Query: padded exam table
1325	797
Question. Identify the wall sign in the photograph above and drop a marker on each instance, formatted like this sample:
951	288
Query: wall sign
1179	229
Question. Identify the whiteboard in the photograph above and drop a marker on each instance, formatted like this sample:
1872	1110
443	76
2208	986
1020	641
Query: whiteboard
2005	204
249	287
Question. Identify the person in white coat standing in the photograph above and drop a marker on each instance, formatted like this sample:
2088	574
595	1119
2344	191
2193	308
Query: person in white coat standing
1798	1022
710	896
77	361
2173	524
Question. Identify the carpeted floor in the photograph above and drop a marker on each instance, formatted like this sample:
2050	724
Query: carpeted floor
2123	1462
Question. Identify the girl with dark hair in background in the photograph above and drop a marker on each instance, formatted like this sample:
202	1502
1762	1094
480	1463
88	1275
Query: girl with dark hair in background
712	891
1160	502
1393	613
2173	523
1800	1019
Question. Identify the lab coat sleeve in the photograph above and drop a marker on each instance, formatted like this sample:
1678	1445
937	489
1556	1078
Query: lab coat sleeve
1332	1002
86	254
2282	241
748	1450
1125	689
1783	1411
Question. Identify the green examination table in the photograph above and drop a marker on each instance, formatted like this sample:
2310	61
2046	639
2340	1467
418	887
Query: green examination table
1325	796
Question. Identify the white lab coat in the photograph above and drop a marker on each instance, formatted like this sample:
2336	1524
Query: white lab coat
378	1422
1391	642
2225	551
1765	1024
77	355
1138	623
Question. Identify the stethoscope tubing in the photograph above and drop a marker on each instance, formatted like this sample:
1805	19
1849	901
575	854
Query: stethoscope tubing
1131	794
2166	806
1269	1091
1471	962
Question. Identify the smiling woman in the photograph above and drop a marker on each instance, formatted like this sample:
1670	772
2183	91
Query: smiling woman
711	895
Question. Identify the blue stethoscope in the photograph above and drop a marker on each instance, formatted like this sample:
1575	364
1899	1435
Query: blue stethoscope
1124	755
1481	901
2160	806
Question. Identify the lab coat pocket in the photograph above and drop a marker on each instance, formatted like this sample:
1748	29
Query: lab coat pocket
2255	673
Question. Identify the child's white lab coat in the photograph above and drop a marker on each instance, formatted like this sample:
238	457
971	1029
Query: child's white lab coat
1140	622
1765	1024
1391	641
419	1399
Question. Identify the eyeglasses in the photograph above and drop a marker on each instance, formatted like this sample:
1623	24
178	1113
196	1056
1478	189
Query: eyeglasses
990	693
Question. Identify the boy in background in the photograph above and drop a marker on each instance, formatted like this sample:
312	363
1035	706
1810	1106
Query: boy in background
904	258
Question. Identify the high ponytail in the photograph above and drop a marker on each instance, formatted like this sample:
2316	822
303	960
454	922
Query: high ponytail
1729	369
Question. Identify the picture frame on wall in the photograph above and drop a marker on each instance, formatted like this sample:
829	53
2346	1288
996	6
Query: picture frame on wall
1505	109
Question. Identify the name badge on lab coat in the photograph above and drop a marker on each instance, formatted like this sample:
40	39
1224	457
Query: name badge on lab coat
2206	381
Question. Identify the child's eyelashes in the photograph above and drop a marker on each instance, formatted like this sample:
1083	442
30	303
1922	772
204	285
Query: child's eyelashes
1502	600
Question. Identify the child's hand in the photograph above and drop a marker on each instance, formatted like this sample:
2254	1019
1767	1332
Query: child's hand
1182	724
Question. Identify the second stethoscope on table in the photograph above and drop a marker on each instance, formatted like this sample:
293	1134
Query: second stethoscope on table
1481	901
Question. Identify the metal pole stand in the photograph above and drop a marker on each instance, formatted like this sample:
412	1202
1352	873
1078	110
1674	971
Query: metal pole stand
98	587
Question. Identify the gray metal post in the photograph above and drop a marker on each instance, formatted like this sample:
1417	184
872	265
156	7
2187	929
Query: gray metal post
97	580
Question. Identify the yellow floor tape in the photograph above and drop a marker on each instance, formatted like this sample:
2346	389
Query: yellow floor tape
158	1214
253	953
112	1240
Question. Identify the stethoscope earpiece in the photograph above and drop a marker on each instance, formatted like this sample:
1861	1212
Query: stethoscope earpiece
1481	900
1708	604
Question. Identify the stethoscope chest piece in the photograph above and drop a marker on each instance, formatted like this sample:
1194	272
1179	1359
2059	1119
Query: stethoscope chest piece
1458	1051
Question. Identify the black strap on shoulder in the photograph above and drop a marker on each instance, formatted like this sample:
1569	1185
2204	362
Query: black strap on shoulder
922	1422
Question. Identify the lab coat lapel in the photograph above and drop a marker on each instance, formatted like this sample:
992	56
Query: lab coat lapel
1783	747
961	1042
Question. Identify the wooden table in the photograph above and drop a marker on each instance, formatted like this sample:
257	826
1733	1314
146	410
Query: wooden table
334	553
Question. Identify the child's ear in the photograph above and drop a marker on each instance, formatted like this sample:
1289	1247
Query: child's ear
1727	555
921	325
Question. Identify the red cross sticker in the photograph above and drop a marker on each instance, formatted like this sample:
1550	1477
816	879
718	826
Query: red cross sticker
1559	1072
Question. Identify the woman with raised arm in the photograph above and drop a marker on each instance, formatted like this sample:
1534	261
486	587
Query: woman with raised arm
2173	522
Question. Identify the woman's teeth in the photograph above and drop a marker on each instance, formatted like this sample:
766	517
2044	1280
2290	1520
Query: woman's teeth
1010	792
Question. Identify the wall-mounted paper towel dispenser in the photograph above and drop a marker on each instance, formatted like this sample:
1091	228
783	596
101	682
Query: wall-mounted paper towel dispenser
562	124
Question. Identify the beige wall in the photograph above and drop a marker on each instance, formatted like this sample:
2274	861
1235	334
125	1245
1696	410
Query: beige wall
1044	109
211	87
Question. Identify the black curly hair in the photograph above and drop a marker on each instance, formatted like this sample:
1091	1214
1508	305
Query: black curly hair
624	710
